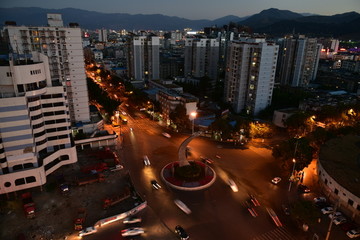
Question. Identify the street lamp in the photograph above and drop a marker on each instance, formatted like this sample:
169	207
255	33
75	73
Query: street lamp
292	173
193	115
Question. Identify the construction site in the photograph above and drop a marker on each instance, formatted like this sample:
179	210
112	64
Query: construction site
74	197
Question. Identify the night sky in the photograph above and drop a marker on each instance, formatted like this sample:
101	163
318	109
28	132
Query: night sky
194	9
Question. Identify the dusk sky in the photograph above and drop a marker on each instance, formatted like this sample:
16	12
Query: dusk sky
194	9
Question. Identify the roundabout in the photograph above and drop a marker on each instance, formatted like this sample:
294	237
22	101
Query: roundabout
188	175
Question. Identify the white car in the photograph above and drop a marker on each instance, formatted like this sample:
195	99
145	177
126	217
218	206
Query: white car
130	220
132	231
146	161
335	214
166	135
353	233
155	184
233	185
87	231
327	210
319	199
339	220
276	180
182	206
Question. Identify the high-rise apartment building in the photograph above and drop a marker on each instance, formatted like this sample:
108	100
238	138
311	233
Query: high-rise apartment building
250	74
298	61
144	58
201	58
102	35
35	127
63	46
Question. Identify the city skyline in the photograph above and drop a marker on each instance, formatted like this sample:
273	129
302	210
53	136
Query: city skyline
193	10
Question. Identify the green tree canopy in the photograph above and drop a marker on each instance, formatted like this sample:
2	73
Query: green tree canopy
179	117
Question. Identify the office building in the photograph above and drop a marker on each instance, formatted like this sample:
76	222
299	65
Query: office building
63	46
35	127
102	35
250	74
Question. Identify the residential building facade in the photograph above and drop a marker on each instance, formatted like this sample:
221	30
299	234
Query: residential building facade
35	126
250	74
63	46
298	61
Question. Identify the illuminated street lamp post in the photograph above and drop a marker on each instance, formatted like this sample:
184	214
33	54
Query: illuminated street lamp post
193	115
292	173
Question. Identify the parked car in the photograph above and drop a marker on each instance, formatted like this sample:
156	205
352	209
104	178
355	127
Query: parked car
166	135
233	185
132	219
335	214
319	199
354	233
155	184
339	220
181	233
327	210
303	188
132	232
87	231
146	161
276	180
321	205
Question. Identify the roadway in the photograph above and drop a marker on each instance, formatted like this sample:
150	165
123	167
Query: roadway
217	213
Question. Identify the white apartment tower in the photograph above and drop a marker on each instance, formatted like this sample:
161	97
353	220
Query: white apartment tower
63	46
35	127
201	58
145	58
298	61
250	74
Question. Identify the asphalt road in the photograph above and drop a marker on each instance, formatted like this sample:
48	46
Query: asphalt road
217	213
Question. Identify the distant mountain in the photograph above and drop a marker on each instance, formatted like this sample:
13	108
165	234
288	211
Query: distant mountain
339	25
268	17
95	20
308	14
226	20
271	21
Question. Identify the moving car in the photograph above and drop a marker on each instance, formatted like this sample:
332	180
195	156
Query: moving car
182	206
319	199
166	135
353	233
130	220
181	233
286	209
233	185
155	184
303	189
276	180
254	201
132	232
206	160
87	231
146	161
327	210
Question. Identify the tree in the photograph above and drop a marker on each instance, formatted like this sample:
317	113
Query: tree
179	117
223	126
305	212
298	148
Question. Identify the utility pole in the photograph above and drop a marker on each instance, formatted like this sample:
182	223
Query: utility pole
331	220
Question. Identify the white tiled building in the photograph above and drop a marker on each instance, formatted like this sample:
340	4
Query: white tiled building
250	74
35	127
63	46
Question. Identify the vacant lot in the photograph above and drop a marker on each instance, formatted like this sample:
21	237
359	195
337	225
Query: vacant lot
55	211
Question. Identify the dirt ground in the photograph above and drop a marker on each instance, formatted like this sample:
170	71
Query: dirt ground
55	211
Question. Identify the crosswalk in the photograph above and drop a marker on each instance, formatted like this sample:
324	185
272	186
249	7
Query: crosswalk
279	233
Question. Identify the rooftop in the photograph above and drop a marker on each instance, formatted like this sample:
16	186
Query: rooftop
340	157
